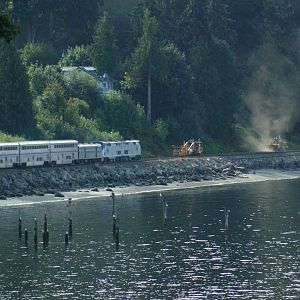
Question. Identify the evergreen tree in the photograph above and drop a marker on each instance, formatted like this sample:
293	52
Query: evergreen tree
8	29
148	60
104	49
15	99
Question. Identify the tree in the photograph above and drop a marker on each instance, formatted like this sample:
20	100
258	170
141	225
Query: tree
52	100
40	53
15	99
30	14
105	54
215	83
174	96
8	30
81	85
77	28
41	76
147	58
77	56
124	115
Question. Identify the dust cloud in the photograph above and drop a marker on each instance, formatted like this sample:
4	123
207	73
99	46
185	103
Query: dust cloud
272	97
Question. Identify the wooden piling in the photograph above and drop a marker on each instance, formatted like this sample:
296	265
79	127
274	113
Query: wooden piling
20	225
35	240
44	238
26	237
66	239
113	197
70	227
45	223
114	225
47	237
117	234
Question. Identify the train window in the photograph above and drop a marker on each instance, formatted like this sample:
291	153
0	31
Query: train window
1	161
108	144
126	152
119	152
0	148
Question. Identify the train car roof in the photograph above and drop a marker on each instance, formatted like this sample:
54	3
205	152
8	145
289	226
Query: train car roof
88	145
9	144
33	142
63	141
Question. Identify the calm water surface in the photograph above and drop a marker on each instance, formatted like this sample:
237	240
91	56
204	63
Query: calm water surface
187	258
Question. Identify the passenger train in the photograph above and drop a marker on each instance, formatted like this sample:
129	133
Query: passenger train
39	153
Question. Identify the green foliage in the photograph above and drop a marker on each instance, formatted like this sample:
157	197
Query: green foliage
246	138
52	100
15	99
122	114
41	76
8	30
160	130
215	82
105	54
38	53
10	138
213	146
147	57
45	20
77	56
83	86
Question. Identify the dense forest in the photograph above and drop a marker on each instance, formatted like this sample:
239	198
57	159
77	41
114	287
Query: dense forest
224	71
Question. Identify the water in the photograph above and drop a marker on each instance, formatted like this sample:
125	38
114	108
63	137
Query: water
188	257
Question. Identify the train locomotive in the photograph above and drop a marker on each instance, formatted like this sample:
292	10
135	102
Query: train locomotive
63	152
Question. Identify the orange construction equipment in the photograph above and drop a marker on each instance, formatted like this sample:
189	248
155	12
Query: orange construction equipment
189	148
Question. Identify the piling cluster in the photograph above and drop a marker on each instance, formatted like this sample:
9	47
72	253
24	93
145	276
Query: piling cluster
115	224
45	231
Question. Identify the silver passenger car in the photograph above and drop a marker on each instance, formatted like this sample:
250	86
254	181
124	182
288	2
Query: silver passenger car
90	152
9	155
64	152
34	153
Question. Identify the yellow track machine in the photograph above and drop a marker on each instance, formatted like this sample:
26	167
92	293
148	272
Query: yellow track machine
189	148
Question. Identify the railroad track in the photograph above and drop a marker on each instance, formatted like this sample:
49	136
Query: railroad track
231	156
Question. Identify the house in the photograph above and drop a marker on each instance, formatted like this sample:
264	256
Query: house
105	82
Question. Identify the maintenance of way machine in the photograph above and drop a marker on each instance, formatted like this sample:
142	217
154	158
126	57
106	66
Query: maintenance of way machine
189	148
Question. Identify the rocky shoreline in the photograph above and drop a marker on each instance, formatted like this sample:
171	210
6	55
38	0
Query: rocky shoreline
56	180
